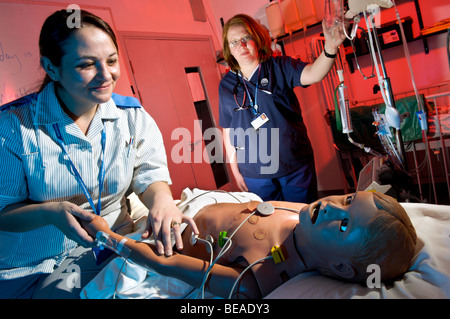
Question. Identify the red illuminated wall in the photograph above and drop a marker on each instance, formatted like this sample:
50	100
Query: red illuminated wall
430	70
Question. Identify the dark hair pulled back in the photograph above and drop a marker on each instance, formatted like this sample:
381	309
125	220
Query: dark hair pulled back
56	30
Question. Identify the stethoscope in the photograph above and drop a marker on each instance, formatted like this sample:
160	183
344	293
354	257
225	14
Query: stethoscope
253	104
235	91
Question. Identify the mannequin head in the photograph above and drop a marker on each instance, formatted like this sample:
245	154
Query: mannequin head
341	236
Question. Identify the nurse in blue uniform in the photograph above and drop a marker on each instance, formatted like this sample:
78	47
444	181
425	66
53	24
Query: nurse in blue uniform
264	134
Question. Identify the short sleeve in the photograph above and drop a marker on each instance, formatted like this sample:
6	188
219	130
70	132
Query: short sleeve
151	158
13	180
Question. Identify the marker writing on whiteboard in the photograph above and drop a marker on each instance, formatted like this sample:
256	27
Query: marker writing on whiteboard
8	57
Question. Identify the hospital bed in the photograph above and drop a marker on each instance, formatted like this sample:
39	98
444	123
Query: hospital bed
427	277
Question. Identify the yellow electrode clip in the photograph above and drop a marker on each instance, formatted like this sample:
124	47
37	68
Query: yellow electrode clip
277	254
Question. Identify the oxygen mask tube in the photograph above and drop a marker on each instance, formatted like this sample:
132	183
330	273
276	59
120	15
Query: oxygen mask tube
334	18
343	116
391	116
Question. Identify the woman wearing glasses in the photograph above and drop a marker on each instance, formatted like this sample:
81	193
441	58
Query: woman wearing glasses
264	133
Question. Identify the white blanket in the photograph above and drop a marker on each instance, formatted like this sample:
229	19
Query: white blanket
428	276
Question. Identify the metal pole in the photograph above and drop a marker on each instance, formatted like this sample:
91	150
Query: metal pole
417	171
444	151
390	96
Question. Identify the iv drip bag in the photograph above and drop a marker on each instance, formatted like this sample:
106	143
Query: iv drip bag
334	14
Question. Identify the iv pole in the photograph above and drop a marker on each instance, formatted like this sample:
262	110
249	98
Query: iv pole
390	101
392	115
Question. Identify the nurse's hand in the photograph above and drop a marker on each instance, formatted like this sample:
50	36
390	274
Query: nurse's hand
65	216
357	6
164	218
240	182
334	37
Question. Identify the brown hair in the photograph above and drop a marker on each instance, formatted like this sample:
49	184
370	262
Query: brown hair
260	35
390	241
55	32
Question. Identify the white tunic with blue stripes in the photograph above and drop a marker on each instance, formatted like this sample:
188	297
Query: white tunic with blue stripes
33	167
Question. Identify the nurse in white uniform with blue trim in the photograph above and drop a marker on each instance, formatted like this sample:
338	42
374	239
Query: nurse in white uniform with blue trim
72	150
261	115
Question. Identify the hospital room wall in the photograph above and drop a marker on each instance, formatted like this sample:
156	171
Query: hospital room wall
150	16
175	17
429	69
171	16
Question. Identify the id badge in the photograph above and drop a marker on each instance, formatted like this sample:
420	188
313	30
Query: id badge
259	121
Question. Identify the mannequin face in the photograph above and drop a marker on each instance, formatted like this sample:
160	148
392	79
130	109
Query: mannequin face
332	228
244	53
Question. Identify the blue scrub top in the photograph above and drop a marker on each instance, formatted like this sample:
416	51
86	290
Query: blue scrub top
285	131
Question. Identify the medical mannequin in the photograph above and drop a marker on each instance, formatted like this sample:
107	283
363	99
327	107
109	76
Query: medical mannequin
337	235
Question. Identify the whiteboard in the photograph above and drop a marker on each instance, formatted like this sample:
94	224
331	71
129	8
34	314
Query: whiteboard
20	25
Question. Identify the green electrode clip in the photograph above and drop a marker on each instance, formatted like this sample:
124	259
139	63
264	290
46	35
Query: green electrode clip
222	238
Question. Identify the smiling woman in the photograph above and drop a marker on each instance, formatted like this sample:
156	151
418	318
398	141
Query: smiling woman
69	152
87	75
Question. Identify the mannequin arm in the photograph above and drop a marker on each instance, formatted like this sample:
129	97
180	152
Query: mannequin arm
186	268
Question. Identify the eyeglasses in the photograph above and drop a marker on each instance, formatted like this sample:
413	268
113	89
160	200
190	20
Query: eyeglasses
244	40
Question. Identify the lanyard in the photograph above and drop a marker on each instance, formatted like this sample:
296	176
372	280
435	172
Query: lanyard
253	105
80	181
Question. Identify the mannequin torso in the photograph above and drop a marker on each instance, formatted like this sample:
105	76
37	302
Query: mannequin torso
252	242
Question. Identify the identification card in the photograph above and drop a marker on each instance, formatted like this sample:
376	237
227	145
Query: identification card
259	121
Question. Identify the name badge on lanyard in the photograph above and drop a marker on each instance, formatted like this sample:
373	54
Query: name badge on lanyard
97	209
99	254
260	119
